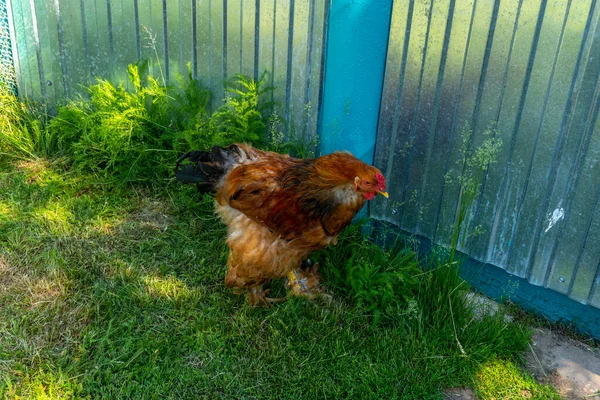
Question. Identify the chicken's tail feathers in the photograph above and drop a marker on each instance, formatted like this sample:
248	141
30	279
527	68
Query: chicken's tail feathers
205	168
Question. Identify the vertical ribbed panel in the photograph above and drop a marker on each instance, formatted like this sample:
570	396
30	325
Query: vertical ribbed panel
527	70
62	44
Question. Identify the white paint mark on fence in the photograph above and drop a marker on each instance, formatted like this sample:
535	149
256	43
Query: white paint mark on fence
556	216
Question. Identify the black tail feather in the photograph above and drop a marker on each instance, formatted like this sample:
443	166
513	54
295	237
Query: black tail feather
205	168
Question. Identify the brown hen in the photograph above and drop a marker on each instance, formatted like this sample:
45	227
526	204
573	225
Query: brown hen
279	209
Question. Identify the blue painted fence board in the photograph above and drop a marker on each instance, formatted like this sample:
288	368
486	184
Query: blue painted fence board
354	70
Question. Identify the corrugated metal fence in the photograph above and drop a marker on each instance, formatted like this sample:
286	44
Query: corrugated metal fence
62	44
526	72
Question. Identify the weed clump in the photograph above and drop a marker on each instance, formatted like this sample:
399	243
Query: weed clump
381	283
469	173
126	136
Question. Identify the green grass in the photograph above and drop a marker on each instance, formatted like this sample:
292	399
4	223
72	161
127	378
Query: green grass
117	292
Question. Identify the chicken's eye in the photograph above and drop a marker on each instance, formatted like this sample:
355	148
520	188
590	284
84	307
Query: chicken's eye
367	183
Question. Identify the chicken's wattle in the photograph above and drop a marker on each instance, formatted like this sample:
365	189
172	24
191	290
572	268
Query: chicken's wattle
369	195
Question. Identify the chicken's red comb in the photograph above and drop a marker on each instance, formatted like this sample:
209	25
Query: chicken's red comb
380	180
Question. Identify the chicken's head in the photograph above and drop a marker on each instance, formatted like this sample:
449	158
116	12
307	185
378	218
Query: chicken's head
370	183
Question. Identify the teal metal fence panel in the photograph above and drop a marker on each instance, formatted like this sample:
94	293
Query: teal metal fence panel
525	72
63	44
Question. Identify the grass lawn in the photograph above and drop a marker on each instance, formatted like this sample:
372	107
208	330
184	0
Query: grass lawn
117	292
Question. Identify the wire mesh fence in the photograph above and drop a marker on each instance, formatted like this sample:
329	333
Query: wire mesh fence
7	71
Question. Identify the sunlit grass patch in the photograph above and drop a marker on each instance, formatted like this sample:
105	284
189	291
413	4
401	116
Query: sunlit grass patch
502	379
169	288
46	290
55	218
43	283
105	226
6	210
152	213
44	384
40	318
34	167
47	173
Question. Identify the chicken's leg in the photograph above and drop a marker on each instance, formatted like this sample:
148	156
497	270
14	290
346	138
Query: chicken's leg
297	283
305	281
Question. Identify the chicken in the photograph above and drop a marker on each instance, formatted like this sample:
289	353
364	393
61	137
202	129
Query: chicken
279	209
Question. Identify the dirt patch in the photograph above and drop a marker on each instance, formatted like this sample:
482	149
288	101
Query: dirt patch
33	168
570	366
6	277
28	291
459	394
155	214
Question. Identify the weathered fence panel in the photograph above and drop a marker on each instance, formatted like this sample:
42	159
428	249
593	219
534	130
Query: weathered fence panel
63	44
526	72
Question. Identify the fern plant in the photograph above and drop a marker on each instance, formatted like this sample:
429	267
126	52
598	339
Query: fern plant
115	132
242	116
137	135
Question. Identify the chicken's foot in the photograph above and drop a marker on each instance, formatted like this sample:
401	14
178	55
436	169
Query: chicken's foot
258	297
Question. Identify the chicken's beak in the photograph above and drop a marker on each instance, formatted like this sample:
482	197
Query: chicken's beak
384	194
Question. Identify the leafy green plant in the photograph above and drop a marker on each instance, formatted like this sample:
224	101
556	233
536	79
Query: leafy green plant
125	136
300	147
241	118
275	133
295	144
128	136
115	132
380	282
